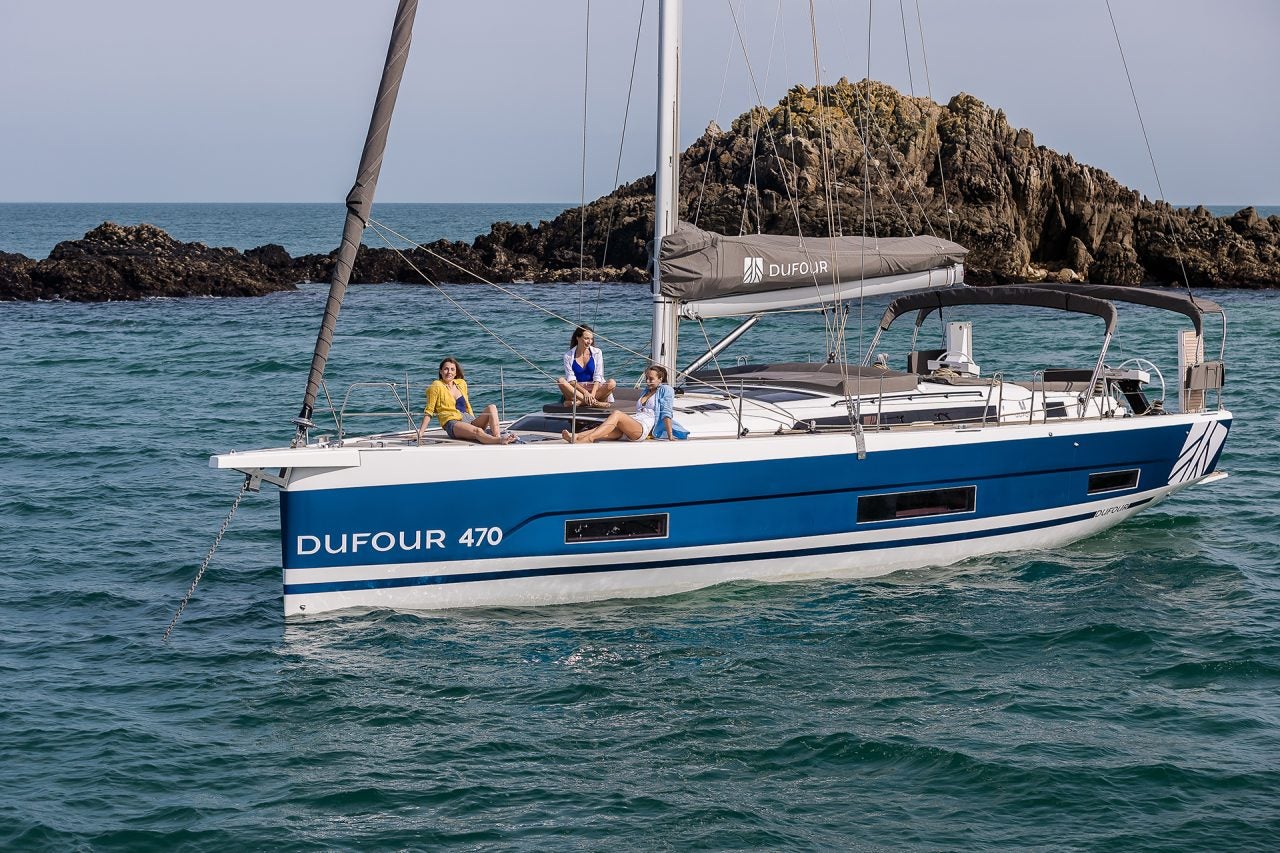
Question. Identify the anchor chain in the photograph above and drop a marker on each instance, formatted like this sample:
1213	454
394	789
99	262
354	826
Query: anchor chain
208	558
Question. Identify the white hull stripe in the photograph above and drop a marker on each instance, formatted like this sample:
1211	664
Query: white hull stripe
551	571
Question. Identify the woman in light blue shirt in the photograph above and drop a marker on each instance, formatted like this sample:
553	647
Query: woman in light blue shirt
653	416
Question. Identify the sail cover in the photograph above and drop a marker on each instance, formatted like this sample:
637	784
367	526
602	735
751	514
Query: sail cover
701	265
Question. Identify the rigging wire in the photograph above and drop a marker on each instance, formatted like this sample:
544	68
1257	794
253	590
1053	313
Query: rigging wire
781	417
617	169
753	172
792	198
875	133
461	308
824	145
786	75
906	46
866	205
838	348
582	197
942	175
380	228
706	163
1142	124
715	357
898	167
875	130
751	186
834	331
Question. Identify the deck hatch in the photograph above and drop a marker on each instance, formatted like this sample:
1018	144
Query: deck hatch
1113	481
899	505
615	528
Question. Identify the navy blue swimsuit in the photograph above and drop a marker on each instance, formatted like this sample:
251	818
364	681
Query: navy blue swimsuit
460	402
585	373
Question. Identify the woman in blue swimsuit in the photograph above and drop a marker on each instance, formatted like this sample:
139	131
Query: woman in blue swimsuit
654	409
584	372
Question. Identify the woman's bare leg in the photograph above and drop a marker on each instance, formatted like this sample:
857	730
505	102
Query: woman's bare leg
488	420
617	425
470	432
582	391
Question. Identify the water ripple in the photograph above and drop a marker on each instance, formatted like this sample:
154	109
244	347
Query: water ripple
1116	693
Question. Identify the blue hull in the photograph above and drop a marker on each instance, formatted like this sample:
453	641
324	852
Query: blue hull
470	531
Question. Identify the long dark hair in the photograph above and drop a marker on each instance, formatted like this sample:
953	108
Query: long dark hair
658	369
456	366
577	333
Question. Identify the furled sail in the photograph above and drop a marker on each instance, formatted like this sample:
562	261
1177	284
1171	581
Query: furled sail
359	203
714	275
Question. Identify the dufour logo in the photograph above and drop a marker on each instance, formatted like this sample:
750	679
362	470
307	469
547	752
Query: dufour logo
753	270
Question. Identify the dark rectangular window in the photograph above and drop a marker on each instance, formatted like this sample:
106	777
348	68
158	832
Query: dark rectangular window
1113	481
916	504
620	527
967	414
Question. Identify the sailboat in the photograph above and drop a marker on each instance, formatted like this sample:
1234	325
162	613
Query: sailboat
791	471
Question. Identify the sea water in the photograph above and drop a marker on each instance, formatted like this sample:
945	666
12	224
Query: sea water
34	229
1119	693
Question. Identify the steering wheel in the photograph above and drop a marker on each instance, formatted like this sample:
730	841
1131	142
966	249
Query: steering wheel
954	355
1145	364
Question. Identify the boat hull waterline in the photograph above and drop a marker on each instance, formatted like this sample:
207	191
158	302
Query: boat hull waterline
413	528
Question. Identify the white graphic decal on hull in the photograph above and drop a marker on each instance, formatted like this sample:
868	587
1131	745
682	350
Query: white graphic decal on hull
1201	447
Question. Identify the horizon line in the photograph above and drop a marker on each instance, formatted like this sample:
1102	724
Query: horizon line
566	205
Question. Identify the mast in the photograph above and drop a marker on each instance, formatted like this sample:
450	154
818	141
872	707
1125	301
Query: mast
666	200
359	203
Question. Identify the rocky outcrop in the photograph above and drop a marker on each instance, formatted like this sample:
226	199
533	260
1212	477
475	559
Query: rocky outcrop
437	262
114	262
127	262
1027	213
958	170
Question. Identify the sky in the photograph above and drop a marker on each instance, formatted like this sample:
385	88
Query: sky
268	100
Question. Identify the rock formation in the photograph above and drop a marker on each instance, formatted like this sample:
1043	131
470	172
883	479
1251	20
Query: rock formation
959	170
126	262
114	262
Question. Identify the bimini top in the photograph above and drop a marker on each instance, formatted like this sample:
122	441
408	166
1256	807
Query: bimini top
1191	306
700	265
1039	297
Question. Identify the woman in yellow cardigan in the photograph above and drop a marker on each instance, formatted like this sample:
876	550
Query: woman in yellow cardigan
447	400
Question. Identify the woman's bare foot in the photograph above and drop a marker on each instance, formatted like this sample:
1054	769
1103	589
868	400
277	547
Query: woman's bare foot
510	438
567	436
